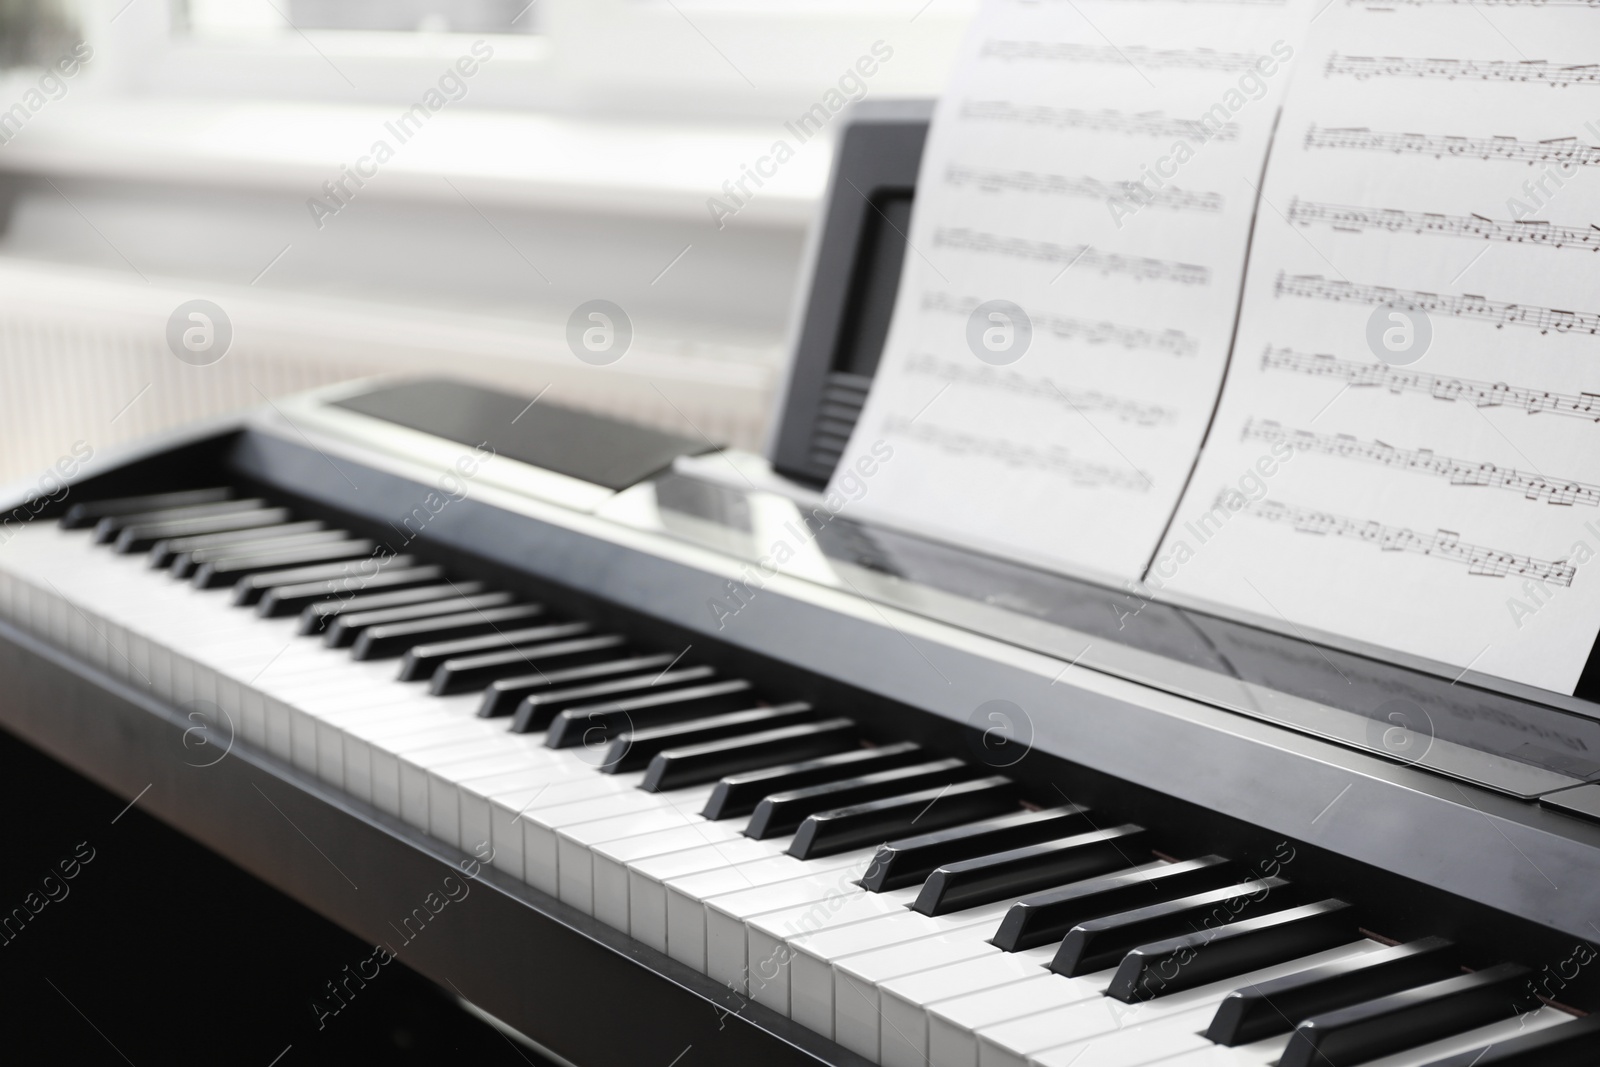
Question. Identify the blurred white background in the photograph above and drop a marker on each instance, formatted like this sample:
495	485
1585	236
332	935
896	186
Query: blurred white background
158	151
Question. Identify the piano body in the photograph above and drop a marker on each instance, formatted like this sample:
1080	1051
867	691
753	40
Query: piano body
673	757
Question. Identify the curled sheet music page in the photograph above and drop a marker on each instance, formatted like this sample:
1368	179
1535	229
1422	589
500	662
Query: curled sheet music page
1068	296
1407	451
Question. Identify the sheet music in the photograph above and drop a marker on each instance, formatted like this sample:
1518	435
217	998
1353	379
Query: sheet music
1076	253
1407	450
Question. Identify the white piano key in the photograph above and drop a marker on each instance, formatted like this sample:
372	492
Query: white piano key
649	877
953	1024
812	974
508	809
1140	1040
540	863
820	893
686	896
1166	1022
611	861
857	1008
483	802
803	987
575	844
904	1001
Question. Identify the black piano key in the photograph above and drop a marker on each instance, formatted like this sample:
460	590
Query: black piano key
182	565
281	600
393	639
1042	918
738	794
1566	1044
909	861
504	694
1099	943
842	829
782	813
351	571
318	615
164	552
1223	951
1404	1020
420	661
698	764
107	528
343	630
589	724
986	879
232	541
1271	1008
90	512
228	570
633	750
469	674
144	536
568	643
536	710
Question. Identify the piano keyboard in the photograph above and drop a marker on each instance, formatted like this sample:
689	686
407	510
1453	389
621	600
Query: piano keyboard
914	907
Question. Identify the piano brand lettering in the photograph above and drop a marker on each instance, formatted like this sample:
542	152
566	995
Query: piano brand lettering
350	982
51	87
851	86
847	488
53	889
1153	177
451	88
52	488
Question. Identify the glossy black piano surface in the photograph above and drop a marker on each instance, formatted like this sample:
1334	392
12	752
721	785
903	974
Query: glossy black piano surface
1176	801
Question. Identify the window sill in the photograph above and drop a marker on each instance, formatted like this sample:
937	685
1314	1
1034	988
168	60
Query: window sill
538	162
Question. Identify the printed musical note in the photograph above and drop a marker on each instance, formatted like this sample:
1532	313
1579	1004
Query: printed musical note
1561	150
1425	461
969	372
1175	342
1143	124
1442	544
1139	267
1364	375
1316	287
1490	70
1390	220
1055	459
1022	181
1138	55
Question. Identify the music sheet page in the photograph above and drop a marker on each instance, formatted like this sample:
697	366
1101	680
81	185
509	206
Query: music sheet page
1407	449
1076	251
